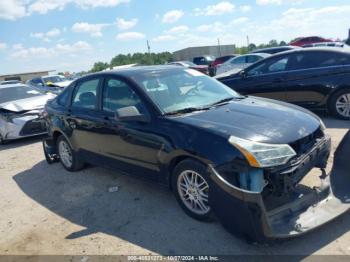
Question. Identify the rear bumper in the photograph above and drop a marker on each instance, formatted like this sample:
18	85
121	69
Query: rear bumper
249	214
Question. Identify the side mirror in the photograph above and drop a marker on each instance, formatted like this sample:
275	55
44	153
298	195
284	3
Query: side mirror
243	74
130	114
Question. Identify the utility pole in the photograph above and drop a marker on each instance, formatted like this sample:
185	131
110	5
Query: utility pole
248	41
148	48
219	46
149	52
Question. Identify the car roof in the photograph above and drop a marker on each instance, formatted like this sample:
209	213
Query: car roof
276	48
318	49
132	71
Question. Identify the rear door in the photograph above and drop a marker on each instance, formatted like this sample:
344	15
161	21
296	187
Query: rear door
312	76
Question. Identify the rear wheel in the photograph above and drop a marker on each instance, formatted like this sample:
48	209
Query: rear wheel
340	104
190	183
68	157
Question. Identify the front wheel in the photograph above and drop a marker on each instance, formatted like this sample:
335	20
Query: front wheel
340	104
68	157
190	183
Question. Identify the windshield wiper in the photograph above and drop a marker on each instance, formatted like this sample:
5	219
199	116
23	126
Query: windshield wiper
186	110
228	99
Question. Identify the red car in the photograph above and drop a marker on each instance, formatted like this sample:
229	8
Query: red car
218	61
301	41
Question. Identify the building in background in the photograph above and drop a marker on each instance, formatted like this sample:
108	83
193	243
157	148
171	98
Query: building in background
191	52
23	77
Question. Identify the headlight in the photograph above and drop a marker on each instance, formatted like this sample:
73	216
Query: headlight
261	154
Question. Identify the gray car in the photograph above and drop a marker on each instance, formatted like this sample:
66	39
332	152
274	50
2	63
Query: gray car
20	111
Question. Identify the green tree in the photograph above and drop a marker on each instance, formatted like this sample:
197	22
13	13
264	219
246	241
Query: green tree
99	66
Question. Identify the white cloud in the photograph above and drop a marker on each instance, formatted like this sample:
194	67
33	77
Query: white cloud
163	38
123	24
44	6
239	20
178	29
57	50
331	21
12	9
172	16
214	27
47	35
279	2
130	36
94	30
245	8
3	46
218	9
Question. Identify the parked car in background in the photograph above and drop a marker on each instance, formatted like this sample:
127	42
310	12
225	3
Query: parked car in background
188	64
203	60
327	44
240	62
315	78
274	50
51	80
10	82
239	157
218	61
309	40
20	111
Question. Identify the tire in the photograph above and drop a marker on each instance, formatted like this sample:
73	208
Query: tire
191	200
341	97
68	157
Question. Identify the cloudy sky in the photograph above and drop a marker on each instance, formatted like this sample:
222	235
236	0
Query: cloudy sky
70	35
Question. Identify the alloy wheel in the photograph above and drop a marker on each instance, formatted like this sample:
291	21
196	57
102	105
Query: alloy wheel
343	105
65	153
193	190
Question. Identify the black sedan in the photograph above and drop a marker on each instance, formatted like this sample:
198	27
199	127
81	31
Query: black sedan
315	78
239	157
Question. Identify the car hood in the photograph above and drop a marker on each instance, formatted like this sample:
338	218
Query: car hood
229	73
62	84
27	104
256	119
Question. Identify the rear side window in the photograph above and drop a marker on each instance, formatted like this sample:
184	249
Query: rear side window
85	95
239	60
253	58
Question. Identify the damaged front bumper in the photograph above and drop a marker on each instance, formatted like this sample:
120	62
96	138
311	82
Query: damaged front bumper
19	125
263	216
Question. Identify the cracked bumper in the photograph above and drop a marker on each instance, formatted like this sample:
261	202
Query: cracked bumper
247	214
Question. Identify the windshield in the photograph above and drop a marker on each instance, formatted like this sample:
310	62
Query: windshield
52	79
175	90
17	92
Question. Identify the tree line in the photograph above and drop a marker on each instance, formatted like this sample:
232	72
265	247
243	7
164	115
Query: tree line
166	57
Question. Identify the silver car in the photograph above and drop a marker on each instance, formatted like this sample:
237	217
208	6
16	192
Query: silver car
20	111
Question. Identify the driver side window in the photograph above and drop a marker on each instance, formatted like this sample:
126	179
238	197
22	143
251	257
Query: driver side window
118	94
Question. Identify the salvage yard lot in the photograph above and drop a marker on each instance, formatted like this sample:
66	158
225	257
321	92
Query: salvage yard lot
47	210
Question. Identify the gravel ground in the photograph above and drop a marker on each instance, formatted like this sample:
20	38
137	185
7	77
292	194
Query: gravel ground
46	210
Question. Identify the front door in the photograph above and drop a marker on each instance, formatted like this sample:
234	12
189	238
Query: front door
130	146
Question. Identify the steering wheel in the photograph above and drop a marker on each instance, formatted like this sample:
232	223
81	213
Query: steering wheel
193	90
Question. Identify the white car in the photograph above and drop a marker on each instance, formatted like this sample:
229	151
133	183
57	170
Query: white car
240	62
56	80
20	111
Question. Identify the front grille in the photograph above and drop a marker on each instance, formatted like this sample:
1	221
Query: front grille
306	143
33	127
